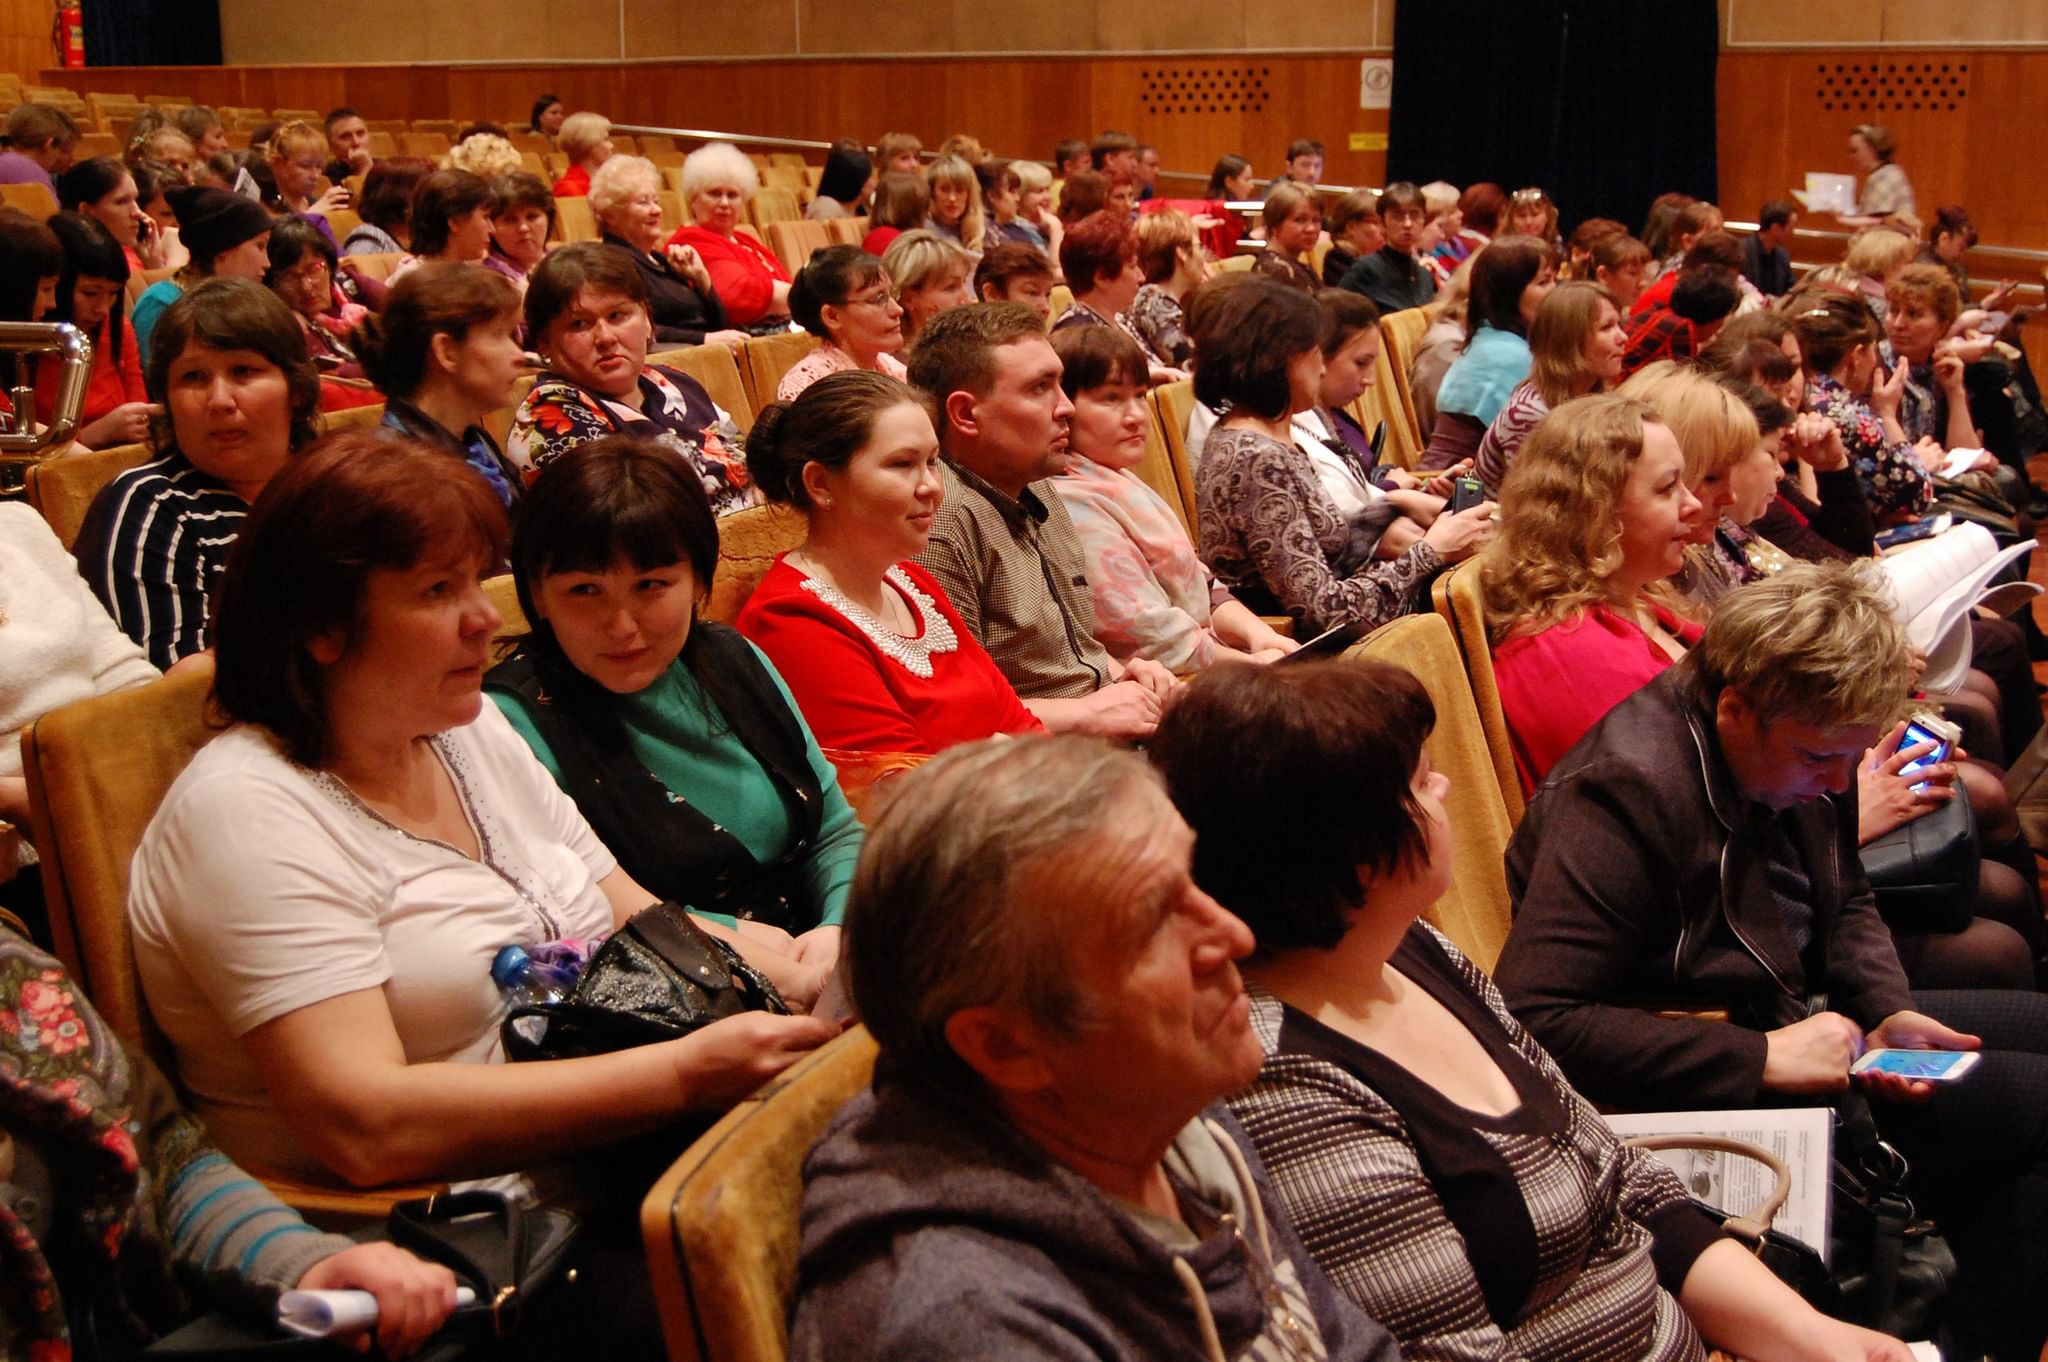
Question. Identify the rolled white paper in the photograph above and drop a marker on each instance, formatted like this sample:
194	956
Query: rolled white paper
322	1314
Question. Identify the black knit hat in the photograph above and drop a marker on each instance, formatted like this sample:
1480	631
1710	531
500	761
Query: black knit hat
214	221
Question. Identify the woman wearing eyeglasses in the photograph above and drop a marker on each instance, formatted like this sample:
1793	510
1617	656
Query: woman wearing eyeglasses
844	297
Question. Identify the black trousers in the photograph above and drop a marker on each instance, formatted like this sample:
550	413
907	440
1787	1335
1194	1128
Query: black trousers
1979	1157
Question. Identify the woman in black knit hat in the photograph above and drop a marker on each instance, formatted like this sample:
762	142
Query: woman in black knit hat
228	236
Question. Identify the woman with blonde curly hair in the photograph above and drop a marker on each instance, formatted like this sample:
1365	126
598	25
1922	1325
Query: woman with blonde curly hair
930	274
1594	516
1576	344
718	179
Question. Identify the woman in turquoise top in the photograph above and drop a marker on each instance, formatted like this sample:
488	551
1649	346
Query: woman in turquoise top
229	237
674	736
1511	277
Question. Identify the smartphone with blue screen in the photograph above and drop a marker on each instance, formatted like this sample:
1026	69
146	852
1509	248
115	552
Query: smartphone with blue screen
1922	1066
1925	728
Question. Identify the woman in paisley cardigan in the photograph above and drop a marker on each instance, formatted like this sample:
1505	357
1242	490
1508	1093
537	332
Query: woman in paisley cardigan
1437	1164
1267	530
1838	336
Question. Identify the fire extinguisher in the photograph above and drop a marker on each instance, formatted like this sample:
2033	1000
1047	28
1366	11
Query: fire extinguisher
68	34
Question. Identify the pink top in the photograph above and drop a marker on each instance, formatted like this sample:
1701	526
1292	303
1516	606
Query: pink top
743	271
830	359
1555	685
1152	594
860	686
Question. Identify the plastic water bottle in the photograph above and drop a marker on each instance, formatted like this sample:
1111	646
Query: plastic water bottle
522	979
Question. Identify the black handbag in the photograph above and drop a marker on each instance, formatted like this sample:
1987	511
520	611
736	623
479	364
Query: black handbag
1925	872
659	977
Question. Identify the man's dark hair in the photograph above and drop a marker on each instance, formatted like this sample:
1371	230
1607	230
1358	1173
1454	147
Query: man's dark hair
335	116
1776	213
1705	294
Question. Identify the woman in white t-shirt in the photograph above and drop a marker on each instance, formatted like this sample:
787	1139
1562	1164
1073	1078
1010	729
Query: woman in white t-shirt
318	900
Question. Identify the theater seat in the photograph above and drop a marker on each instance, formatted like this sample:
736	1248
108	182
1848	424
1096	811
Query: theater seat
1161	470
96	772
765	359
717	368
1171	403
1455	596
720	1227
1476	911
747	544
63	488
1400	335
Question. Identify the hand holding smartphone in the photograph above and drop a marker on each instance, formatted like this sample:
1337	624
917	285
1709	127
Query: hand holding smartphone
1917	1066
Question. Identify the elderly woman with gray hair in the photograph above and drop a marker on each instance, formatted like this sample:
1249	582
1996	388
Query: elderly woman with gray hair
625	196
718	179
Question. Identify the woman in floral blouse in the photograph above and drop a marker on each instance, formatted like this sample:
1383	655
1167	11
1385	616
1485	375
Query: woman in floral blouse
586	312
1153	597
1267	529
1839	336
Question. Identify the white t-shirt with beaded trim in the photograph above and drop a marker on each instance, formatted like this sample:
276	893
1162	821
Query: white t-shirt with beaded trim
262	887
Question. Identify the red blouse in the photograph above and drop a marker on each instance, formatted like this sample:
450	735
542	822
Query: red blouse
742	270
574	184
107	385
1555	685
856	696
878	238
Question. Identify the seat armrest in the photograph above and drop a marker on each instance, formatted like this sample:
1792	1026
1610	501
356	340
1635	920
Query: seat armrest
338	1207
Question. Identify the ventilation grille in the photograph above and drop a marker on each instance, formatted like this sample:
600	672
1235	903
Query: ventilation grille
1892	87
1205	89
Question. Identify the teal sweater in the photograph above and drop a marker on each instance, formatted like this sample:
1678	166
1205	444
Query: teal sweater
667	725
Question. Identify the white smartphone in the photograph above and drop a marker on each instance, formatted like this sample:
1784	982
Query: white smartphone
1922	1066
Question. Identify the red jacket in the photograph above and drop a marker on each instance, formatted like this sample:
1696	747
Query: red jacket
108	386
743	271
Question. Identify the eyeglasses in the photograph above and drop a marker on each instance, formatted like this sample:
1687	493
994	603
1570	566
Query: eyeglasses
885	300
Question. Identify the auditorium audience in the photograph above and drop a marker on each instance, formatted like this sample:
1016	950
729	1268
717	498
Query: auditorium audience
92	294
1003	546
1170	256
718	179
323	975
451	220
1767	263
625	196
385	208
1935	402
238	395
1015	273
295	165
1230	181
520	230
548	115
202	127
1392	276
1795	679
1400	1107
1442	341
1153	597
1510	279
674	736
844	297
586	313
1100	261
227	235
1885	192
1039	1167
1293	218
1083	192
879	661
446	353
1267	529
845	186
40	143
1355	232
957	213
302	272
1619	264
1575	347
929	274
104	190
485	153
1839	336
586	140
902	201
348	145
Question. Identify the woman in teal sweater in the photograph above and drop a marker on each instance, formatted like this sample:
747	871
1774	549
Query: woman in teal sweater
674	736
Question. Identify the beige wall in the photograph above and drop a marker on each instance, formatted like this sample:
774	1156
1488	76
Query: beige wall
1839	24
265	31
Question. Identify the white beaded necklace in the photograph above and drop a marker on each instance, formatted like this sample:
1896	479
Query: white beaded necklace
913	654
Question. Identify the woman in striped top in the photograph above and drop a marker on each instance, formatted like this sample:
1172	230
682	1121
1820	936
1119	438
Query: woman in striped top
1433	1158
1575	343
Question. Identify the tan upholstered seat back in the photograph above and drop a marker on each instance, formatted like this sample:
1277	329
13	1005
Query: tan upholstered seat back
747	544
1455	596
63	488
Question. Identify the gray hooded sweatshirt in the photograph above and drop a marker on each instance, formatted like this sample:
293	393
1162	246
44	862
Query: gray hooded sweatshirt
932	1229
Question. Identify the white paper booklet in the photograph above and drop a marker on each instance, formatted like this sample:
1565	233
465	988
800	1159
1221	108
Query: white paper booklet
1935	585
322	1314
1802	1136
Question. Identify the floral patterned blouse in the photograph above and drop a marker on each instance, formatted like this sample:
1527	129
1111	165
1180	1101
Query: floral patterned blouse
1893	481
560	414
1270	535
1161	326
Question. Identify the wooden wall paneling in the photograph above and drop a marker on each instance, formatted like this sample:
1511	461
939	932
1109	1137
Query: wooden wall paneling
25	38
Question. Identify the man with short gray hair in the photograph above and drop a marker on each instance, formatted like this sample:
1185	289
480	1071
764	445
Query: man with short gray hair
1040	1169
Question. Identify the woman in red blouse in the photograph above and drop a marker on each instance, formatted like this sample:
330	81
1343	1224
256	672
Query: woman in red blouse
1595	515
874	653
91	294
718	179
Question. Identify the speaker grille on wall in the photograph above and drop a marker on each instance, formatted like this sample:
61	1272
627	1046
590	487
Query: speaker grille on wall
1896	87
1205	89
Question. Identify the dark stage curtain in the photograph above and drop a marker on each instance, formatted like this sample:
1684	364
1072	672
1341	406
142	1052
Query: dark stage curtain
152	33
1604	103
